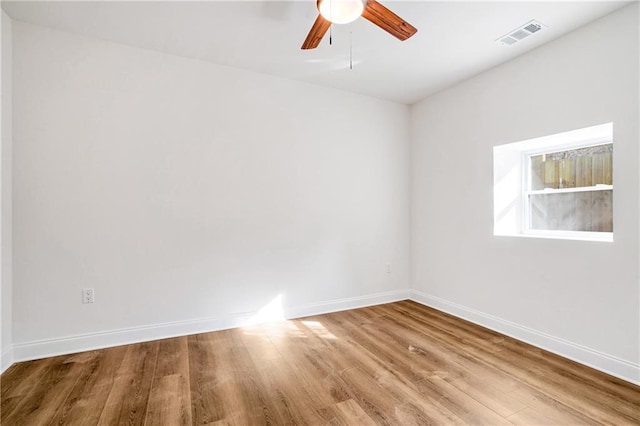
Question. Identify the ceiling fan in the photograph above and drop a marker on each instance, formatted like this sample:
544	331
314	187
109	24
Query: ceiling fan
345	11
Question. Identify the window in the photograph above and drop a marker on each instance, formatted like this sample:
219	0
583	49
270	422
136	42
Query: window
558	186
571	190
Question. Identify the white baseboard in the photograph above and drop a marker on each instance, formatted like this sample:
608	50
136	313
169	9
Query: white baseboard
347	303
59	346
71	344
6	359
606	363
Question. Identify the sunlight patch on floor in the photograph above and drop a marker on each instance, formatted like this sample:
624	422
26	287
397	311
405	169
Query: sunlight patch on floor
319	329
269	322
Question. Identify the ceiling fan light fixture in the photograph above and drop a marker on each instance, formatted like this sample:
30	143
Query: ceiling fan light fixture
341	11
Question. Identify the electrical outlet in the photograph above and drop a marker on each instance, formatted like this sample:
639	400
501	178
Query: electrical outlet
388	269
87	295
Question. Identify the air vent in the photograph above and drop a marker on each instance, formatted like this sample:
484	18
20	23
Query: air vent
520	33
508	40
533	27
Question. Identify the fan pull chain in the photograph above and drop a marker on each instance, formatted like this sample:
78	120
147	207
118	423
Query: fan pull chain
350	50
331	20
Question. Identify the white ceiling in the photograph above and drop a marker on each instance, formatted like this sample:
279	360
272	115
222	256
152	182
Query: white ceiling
455	40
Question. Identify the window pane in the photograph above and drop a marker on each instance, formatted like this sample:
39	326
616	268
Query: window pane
573	168
590	211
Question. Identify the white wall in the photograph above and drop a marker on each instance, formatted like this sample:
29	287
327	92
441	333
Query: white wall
188	192
6	353
190	195
577	298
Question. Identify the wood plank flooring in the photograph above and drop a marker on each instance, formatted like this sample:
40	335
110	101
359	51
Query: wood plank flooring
399	363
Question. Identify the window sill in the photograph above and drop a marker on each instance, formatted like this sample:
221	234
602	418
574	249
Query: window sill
605	237
547	191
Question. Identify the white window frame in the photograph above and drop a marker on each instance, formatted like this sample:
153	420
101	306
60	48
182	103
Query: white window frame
581	138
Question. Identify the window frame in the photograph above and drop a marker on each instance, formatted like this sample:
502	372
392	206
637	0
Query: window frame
526	190
511	181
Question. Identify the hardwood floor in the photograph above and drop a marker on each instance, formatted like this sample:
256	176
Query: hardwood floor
400	363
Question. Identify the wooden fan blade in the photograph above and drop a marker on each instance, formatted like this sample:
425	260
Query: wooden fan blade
318	30
387	20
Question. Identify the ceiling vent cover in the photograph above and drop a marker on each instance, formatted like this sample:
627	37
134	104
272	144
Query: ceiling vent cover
521	33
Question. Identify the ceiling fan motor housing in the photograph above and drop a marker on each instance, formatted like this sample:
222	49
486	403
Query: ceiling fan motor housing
340	11
371	10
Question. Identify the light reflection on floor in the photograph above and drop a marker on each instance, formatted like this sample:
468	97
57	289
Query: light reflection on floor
269	322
